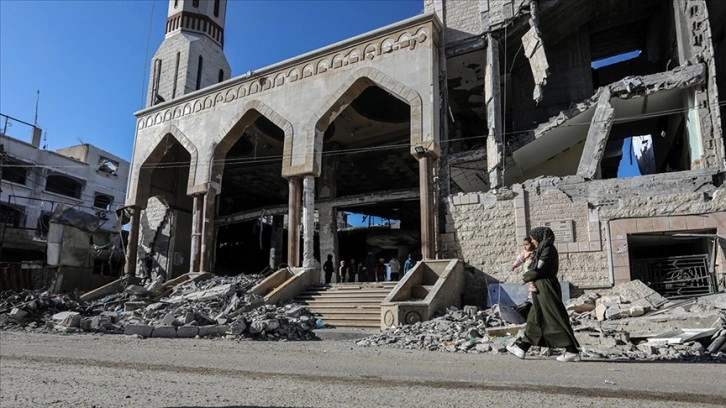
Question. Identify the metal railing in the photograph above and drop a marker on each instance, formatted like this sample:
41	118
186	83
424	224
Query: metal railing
677	277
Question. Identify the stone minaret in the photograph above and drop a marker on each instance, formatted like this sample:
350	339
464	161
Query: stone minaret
191	56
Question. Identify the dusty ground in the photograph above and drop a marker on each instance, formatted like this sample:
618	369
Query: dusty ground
119	371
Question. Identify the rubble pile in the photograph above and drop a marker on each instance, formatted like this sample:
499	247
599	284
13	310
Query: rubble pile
469	330
219	306
628	322
32	309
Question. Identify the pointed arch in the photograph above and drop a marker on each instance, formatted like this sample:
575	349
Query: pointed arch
344	96
232	132
151	157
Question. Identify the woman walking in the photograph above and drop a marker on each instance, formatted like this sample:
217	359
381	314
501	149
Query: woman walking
548	324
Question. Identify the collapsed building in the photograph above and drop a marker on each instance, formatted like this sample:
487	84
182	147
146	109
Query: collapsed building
468	125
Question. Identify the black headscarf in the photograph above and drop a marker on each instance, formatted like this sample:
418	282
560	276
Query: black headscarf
544	237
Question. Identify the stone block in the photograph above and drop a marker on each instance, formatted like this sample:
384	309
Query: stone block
168	320
208	331
143	330
67	319
187	331
222	329
17	314
164	332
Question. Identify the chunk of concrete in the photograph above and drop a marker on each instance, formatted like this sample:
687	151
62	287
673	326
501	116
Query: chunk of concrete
167	332
143	330
17	314
187	331
208	330
67	319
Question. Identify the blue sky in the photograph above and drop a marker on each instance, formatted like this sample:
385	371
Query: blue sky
89	58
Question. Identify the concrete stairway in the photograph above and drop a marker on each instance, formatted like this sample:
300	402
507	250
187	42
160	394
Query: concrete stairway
348	305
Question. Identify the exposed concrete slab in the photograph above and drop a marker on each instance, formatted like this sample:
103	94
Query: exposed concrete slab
597	137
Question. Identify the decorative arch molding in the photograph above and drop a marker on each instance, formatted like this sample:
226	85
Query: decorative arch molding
344	96
152	155
232	132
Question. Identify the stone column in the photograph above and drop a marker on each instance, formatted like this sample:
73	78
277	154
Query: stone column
492	97
133	246
276	241
197	218
293	222
207	244
328	234
427	208
308	217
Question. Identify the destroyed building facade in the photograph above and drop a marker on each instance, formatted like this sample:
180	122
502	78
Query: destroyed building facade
38	187
468	125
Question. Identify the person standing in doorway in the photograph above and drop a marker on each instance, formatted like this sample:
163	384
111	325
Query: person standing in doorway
328	268
408	265
370	265
380	270
343	273
353	267
395	268
548	324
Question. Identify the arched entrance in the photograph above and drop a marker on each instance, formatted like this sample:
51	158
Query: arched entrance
250	234
369	183
166	220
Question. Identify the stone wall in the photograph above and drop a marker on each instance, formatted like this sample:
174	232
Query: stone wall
480	229
485	229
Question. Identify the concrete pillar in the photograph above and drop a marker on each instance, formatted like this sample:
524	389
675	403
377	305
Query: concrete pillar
197	222
328	234
427	207
308	221
492	97
133	246
293	221
276	241
207	245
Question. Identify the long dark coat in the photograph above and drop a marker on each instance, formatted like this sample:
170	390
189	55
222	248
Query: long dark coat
548	324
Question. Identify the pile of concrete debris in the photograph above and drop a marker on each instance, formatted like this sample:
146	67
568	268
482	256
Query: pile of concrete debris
628	322
216	306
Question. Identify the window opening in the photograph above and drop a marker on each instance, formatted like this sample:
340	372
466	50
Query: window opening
14	171
216	8
107	165
102	201
11	215
199	72
63	185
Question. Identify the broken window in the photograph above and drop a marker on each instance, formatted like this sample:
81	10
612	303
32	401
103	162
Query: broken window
676	265
107	165
63	185
102	201
12	215
14	171
43	224
647	146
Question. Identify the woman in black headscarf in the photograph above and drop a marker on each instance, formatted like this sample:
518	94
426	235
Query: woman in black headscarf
548	324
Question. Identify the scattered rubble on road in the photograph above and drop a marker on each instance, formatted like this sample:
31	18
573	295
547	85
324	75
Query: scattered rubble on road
628	322
219	306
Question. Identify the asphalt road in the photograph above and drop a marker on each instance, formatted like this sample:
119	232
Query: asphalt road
53	370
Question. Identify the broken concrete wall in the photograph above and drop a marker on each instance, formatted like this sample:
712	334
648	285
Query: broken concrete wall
157	226
485	229
570	80
693	32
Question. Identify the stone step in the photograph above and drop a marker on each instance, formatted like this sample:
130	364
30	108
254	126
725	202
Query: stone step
347	301
342	296
354	322
342	305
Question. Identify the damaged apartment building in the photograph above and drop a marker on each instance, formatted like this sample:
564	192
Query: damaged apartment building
466	125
